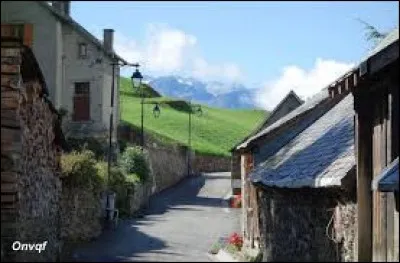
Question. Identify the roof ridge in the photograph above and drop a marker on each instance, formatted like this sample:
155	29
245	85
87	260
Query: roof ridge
80	29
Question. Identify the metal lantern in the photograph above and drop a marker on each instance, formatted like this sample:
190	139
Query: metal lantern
198	111
156	111
136	78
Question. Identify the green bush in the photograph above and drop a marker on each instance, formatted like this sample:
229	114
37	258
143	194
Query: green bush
97	146
133	161
122	145
120	183
79	168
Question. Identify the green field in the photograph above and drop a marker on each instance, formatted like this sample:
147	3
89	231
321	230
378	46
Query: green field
215	132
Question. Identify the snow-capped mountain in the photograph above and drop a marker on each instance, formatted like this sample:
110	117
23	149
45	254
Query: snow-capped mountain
217	94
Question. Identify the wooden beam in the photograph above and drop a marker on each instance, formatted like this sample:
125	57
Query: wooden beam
378	162
384	58
364	176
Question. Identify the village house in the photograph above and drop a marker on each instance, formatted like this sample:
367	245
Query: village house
299	183
376	103
290	102
75	64
309	177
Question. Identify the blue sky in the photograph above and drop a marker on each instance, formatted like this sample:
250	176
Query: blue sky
261	44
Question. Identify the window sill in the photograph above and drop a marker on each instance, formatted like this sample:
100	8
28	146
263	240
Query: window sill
82	122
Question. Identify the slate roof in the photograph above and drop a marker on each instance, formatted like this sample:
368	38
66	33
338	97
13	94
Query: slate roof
265	123
80	29
308	105
388	181
320	156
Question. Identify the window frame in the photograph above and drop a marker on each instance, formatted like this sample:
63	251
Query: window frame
82	47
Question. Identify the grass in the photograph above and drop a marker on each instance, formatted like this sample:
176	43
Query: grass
213	133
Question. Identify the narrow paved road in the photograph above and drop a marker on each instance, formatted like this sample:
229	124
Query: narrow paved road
180	224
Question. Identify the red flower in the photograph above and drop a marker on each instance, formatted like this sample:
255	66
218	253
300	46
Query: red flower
236	240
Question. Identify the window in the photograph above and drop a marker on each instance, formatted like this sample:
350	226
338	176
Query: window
82	51
81	101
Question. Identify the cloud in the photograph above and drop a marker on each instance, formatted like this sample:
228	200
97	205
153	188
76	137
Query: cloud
225	72
167	50
304	83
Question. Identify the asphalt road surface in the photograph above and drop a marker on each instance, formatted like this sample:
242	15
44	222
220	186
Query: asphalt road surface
180	224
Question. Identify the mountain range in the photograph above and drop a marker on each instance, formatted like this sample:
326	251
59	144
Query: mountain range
212	93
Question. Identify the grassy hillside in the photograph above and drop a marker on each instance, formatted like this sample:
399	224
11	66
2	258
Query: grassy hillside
215	132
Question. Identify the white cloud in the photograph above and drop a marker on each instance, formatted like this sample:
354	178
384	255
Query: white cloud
304	83
167	50
225	72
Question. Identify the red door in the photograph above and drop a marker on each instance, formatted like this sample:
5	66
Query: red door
81	102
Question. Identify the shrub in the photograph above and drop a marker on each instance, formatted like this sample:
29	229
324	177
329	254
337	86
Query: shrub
97	146
78	168
133	161
120	183
122	145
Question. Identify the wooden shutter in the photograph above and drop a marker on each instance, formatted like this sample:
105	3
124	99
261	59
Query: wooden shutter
81	102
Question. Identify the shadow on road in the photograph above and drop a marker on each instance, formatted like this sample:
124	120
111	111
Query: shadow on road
120	245
127	242
185	193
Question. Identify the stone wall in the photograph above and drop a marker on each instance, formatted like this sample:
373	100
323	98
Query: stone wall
81	213
30	184
139	198
39	185
293	225
208	163
168	166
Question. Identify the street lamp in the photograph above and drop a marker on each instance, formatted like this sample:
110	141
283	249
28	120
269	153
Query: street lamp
196	108
156	111
110	196
193	109
136	83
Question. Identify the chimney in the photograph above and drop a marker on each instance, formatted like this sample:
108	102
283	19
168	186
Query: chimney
57	5
63	7
67	8
108	39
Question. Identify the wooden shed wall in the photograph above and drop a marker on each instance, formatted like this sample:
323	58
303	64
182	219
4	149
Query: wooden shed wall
376	104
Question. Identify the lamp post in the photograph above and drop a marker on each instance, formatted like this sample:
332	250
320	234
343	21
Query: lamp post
193	108
196	108
110	197
137	83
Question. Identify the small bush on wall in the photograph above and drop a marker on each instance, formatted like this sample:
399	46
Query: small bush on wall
97	146
133	161
79	168
119	183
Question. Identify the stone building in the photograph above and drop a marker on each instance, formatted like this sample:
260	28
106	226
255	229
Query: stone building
304	198
75	64
290	102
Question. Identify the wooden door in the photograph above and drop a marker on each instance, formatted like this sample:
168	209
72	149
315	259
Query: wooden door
81	102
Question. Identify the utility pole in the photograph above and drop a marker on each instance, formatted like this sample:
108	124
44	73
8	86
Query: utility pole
190	138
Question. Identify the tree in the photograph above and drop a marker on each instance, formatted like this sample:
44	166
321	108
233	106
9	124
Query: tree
372	33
